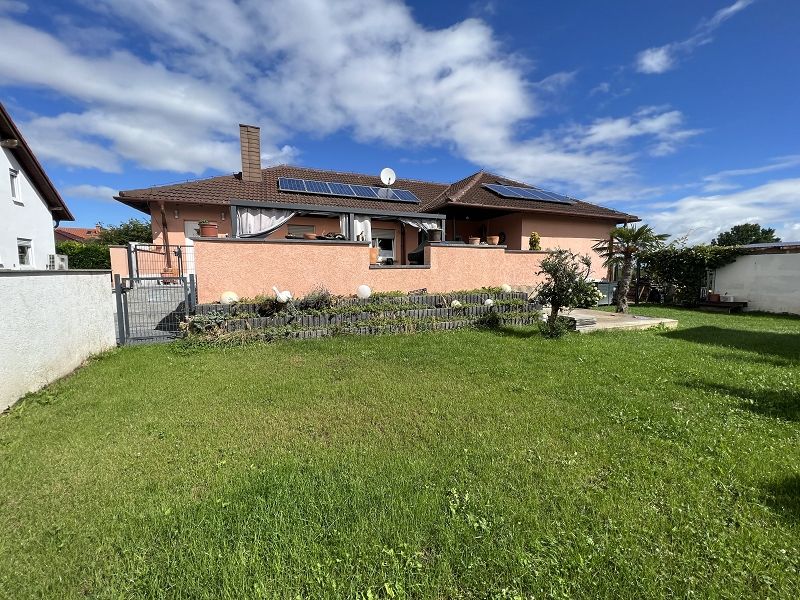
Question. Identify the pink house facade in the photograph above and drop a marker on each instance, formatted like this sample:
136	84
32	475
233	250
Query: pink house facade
299	228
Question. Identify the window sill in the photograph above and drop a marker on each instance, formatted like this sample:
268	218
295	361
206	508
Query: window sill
399	266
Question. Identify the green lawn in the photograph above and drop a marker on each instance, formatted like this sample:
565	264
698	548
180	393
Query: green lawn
471	464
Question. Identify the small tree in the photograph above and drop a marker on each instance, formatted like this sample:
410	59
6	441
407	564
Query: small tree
746	233
624	246
132	230
565	285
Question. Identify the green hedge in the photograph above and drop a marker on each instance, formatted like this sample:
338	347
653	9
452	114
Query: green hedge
89	255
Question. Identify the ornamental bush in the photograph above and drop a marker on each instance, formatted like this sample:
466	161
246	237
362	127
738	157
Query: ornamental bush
89	255
682	270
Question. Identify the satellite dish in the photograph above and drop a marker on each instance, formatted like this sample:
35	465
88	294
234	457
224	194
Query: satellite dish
388	177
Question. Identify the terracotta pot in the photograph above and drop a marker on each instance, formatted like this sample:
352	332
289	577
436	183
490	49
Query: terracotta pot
435	235
713	298
373	256
493	240
167	273
209	229
475	241
309	236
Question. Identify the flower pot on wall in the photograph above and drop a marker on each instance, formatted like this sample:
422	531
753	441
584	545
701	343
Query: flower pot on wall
435	235
373	256
713	298
209	229
475	241
493	240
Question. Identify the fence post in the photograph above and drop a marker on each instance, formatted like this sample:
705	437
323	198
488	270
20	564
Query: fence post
120	315
130	260
192	292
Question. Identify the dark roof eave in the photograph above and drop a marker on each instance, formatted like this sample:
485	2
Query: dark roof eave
139	204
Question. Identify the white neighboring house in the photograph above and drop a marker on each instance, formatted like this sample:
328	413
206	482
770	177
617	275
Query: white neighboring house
29	203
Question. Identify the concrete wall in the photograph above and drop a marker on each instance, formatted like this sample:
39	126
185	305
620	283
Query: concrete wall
50	322
768	282
24	217
250	268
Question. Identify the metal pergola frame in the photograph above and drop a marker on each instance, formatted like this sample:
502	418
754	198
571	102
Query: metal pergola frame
330	209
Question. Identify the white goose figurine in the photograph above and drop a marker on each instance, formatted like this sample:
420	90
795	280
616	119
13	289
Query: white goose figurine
282	297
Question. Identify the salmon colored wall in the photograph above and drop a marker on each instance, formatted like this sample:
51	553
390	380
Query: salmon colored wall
119	261
577	235
187	212
250	268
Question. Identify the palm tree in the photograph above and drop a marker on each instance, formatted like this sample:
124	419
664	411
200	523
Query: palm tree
621	248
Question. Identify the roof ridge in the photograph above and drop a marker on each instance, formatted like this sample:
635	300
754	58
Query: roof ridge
318	170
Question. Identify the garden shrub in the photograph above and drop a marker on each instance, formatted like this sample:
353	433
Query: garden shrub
682	270
319	298
89	255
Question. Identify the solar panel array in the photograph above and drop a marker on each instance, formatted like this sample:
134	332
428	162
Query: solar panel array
527	193
332	188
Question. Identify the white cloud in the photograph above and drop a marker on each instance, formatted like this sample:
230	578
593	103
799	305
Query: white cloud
703	217
664	58
316	68
12	6
719	181
88	191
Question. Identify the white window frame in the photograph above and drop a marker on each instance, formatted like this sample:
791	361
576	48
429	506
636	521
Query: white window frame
13	179
300	229
384	234
25	243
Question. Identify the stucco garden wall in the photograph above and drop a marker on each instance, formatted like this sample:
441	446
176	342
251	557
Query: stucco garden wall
250	268
768	282
50	322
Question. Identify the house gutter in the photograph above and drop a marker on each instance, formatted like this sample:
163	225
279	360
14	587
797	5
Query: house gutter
620	219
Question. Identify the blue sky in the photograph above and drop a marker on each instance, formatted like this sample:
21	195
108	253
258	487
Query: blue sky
683	112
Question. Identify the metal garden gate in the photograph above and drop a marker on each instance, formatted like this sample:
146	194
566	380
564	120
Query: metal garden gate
151	309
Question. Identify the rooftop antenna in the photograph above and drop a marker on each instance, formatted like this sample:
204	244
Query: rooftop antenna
387	176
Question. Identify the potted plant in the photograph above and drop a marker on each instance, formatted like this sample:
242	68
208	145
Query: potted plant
435	235
474	241
208	228
493	240
534	241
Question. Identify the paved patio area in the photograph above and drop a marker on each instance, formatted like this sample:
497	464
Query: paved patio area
609	320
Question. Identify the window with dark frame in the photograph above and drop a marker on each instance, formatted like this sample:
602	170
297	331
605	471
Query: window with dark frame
13	177
24	253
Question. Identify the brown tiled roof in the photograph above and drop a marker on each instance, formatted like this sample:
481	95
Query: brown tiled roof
433	196
224	189
78	234
470	192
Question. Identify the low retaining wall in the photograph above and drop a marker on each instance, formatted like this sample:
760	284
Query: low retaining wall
250	268
50	322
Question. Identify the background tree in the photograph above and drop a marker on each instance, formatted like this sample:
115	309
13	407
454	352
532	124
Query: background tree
132	230
746	233
565	286
624	246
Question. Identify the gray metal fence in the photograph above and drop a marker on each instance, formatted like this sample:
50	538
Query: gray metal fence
154	260
151	309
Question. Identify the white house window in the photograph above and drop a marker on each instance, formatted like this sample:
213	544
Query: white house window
383	239
299	230
25	253
13	176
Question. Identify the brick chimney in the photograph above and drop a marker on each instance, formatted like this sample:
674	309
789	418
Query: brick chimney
250	138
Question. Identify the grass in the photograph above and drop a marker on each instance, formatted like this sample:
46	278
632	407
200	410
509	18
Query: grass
473	464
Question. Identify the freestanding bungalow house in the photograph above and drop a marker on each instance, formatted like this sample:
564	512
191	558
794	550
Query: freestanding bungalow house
29	203
300	227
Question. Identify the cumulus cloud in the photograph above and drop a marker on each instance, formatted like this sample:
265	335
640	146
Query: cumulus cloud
314	68
664	58
703	217
721	181
88	191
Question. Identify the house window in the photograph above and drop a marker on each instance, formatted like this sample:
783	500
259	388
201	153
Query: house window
25	253
299	230
383	239
13	176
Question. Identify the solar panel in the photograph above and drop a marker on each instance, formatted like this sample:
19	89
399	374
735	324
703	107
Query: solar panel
288	184
333	188
341	189
406	196
317	187
364	191
527	193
